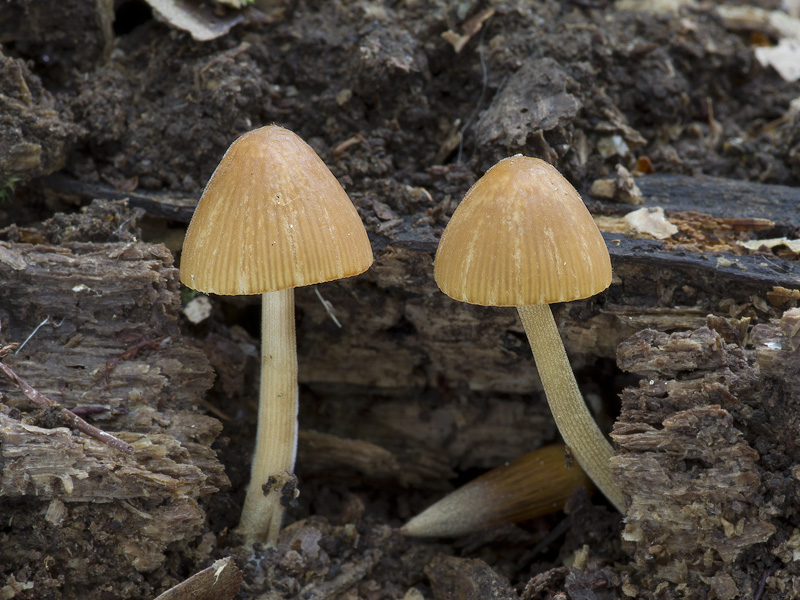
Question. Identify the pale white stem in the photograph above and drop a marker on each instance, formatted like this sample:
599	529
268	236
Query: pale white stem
573	419
276	443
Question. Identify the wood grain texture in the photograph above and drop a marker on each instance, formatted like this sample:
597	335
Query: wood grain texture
706	452
112	351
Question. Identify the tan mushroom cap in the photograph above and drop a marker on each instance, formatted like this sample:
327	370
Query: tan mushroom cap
272	217
522	235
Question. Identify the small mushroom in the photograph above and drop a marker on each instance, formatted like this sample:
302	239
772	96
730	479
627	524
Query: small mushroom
530	486
523	237
272	218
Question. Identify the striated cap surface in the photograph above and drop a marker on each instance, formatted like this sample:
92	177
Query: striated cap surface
272	217
521	235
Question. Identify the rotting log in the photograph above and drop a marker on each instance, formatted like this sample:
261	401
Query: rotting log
471	379
74	490
723	197
418	338
716	196
108	347
111	312
402	338
707	455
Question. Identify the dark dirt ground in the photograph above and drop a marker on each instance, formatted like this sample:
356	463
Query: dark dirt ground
103	94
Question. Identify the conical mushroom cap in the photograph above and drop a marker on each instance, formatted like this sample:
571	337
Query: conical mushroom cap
272	217
522	235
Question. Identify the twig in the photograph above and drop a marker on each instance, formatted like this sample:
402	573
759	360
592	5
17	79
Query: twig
70	417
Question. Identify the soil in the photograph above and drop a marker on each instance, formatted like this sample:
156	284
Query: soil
110	97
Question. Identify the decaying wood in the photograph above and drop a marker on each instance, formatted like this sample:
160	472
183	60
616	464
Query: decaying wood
112	352
82	484
397	306
103	299
430	338
158	204
60	413
724	198
54	463
480	430
716	196
401	336
417	337
710	444
708	456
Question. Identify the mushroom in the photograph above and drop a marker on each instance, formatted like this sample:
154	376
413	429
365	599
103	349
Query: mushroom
530	486
272	218
523	237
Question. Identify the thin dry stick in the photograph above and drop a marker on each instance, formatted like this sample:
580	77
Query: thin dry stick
71	418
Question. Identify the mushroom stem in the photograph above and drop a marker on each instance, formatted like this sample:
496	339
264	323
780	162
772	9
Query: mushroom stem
276	446
574	422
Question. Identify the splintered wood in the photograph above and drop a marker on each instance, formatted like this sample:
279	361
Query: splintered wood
708	456
111	351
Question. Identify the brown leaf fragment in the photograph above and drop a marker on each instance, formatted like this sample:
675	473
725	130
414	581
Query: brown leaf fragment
220	581
781	296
